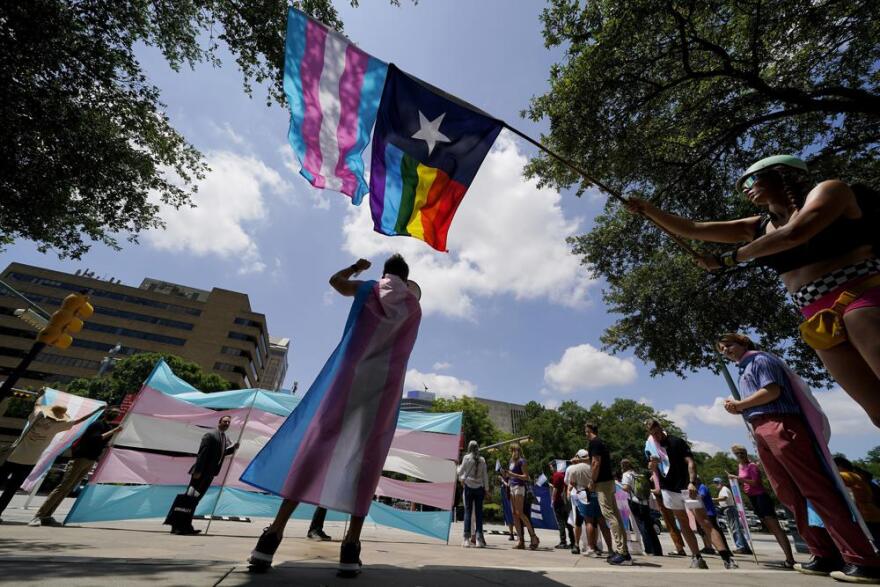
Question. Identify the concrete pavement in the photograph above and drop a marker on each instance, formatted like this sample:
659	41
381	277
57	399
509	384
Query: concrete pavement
143	553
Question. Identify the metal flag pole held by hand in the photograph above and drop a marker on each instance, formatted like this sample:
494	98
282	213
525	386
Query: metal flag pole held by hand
608	190
229	468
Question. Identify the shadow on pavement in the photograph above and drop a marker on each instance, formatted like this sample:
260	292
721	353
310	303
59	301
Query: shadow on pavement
291	573
92	571
9	547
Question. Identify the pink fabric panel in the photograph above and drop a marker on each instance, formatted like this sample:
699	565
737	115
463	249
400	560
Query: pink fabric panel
133	466
311	66
152	402
438	495
444	446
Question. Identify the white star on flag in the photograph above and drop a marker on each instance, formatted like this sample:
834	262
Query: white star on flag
429	131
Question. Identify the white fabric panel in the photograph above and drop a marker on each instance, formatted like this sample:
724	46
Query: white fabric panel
420	466
151	433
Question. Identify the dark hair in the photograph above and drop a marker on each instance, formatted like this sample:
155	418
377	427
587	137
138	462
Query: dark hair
225	416
794	183
592	427
395	265
738	338
843	463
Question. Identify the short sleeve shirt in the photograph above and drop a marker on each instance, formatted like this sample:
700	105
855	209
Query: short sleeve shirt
597	448
752	472
760	370
725	497
706	496
678	477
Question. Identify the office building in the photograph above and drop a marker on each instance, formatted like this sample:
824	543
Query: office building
276	366
215	329
506	416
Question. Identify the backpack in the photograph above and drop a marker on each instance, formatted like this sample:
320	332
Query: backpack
641	488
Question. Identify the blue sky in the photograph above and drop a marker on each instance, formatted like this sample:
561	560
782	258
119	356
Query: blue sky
509	313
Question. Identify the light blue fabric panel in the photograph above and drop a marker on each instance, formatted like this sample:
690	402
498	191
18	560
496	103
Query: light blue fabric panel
103	503
448	423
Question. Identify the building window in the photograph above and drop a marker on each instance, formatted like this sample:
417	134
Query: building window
39	375
21	333
251	323
100	293
117	330
103	346
218	366
67	361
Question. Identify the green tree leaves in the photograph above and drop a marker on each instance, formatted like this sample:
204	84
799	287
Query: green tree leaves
129	374
672	101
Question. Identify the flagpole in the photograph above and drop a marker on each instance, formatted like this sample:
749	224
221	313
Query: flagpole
229	468
608	190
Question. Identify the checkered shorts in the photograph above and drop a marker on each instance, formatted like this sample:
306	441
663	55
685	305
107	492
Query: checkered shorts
831	281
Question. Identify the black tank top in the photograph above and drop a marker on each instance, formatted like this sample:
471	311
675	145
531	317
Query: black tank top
840	237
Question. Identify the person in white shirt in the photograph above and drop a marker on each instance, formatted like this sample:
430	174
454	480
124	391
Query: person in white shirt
585	502
43	424
474	477
638	488
728	509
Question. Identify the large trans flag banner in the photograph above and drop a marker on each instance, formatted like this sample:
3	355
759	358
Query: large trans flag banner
333	90
146	467
77	407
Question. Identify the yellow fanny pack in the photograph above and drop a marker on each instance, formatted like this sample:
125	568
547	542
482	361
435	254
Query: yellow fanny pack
825	328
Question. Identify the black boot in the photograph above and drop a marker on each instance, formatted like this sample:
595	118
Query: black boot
819	565
349	559
260	560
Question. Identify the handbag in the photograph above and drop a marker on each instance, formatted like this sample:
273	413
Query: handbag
825	329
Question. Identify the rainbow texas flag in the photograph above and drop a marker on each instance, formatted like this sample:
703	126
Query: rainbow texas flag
427	148
333	89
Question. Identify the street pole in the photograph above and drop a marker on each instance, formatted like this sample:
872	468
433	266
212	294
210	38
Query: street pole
12	379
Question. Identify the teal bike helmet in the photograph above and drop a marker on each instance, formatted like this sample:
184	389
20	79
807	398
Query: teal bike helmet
768	163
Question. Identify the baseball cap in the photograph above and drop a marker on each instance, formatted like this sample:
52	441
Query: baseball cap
582	453
716	480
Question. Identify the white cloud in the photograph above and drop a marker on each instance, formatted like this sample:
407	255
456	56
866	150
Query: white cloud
847	418
645	401
586	367
442	385
441	366
714	415
229	200
706	447
508	237
551	404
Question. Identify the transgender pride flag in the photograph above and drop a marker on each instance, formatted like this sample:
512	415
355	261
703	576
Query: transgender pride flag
333	89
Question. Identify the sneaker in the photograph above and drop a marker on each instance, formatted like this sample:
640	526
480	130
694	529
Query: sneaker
349	559
35	522
50	521
730	564
677	553
481	542
575	550
510	537
788	565
466	543
707	550
857	574
591	553
319	535
561	545
742	551
260	560
818	565
621	560
698	563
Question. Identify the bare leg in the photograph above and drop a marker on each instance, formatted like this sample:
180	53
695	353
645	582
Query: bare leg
855	365
592	535
282	517
686	531
354	529
711	535
517	504
774	527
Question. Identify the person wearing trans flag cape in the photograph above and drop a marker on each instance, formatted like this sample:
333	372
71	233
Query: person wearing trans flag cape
791	434
331	449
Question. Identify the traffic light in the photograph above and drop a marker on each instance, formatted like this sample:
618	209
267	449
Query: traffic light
66	321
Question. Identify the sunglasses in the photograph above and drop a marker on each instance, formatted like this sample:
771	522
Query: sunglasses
750	180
